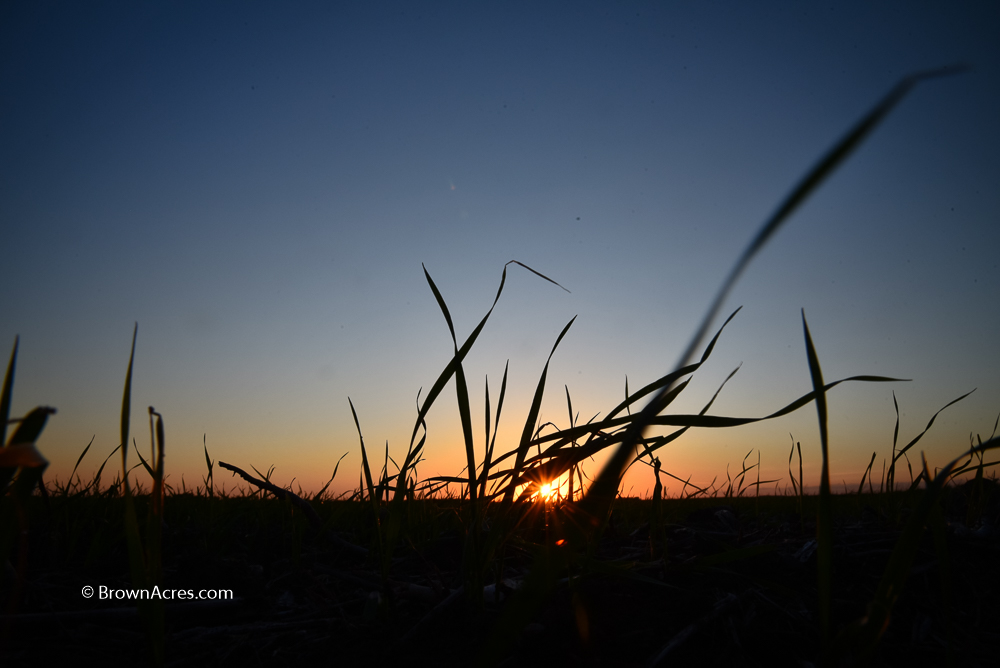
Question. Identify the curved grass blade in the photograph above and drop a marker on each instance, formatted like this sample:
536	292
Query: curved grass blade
867	474
902	451
144	463
210	478
96	482
606	484
80	459
319	494
539	274
364	463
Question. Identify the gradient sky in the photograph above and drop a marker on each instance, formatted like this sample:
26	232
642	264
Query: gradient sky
257	185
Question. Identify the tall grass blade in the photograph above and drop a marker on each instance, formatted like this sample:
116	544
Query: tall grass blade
366	469
802	493
488	460
7	470
891	475
5	395
791	475
150	609
210	480
126	409
824	520
154	523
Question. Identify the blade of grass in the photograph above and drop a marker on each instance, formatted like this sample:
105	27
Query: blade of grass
150	609
366	469
488	461
80	459
155	520
8	389
96	482
802	493
791	475
210	480
867	474
891	475
824	520
462	392
319	494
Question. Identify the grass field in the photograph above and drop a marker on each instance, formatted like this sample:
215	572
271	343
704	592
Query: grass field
708	580
494	565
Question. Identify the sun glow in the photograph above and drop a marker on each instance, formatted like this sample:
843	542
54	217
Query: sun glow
547	492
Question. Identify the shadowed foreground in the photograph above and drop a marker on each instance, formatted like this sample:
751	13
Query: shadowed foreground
722	582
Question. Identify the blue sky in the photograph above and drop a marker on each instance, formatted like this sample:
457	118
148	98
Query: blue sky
257	186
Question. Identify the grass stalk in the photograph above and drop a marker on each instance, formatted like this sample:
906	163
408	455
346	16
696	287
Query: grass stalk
143	564
824	519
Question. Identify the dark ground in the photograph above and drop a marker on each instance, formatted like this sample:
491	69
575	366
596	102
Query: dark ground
737	586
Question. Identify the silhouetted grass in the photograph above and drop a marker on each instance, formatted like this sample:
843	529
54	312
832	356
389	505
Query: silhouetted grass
478	566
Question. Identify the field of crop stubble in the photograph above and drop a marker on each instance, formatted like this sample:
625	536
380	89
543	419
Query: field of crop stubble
497	565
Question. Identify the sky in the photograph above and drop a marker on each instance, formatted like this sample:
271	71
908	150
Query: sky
259	186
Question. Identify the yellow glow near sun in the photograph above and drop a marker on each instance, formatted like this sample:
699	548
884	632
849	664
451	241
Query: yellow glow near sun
547	491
